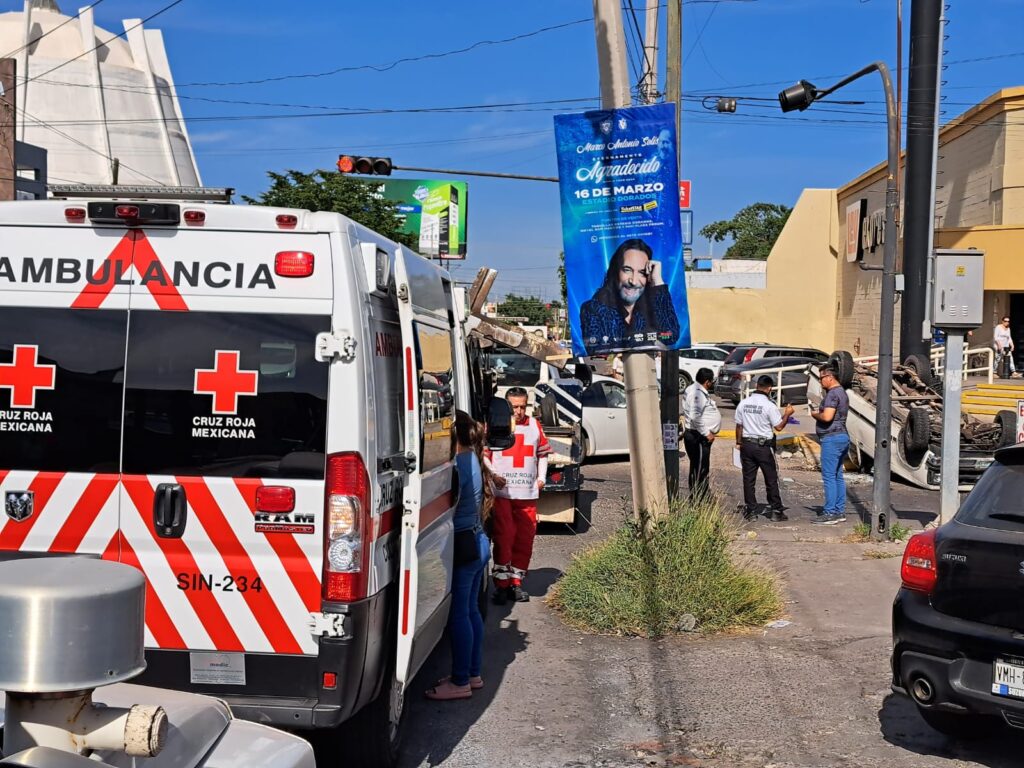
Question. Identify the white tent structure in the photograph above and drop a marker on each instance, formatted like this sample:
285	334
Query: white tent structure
89	98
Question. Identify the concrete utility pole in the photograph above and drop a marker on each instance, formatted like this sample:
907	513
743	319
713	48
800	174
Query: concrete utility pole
647	463
8	125
670	360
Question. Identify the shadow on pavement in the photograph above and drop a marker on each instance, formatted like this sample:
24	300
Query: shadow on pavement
920	516
903	727
450	721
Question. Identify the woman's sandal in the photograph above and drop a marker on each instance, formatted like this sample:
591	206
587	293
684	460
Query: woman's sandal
448	691
476	683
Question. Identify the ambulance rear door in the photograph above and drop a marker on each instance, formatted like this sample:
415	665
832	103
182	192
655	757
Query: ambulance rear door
424	308
61	380
224	443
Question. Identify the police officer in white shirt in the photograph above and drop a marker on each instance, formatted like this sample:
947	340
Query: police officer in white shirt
701	423
758	418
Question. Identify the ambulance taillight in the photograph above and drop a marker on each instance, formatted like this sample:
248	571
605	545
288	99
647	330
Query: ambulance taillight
74	215
347	527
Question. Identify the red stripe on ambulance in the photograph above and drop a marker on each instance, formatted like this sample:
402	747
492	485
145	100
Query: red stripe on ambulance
239	563
157	618
71	535
13	535
293	559
181	560
133	250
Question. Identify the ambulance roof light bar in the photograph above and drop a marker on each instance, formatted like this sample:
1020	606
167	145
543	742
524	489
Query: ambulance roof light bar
144	192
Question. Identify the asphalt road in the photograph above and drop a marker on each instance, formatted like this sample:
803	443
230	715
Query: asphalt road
814	693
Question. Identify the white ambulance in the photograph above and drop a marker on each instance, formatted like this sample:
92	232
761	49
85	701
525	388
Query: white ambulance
252	406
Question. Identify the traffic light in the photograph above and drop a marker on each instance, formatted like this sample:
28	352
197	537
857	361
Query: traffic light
368	166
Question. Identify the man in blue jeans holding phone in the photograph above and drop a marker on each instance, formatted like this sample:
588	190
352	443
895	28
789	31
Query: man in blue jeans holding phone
835	442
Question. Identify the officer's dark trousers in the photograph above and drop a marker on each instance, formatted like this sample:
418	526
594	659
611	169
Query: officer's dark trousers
698	450
752	458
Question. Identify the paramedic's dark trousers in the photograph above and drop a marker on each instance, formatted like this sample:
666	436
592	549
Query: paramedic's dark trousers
752	458
698	450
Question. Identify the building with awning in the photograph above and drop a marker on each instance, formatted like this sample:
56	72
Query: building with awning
820	288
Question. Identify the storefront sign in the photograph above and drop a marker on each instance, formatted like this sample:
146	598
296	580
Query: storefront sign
619	187
854	217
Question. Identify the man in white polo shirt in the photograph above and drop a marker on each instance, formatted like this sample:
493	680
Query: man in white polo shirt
758	418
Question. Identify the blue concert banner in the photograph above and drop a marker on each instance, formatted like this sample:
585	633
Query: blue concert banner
619	189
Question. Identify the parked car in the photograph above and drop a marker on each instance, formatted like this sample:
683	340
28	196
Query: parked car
692	359
729	384
958	619
745	353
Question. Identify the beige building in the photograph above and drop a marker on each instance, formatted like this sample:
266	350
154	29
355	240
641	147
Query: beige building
816	291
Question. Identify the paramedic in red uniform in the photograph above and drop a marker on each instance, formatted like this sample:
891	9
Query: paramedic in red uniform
519	474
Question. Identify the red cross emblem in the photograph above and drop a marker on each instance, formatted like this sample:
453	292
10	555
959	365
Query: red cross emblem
24	376
519	451
225	382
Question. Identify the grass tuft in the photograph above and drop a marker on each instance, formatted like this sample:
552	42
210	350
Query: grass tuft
682	576
899	532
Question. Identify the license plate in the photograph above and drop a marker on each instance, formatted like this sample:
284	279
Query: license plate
1008	678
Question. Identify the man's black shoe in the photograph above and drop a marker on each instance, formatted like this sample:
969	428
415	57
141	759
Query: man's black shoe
500	595
777	516
749	514
519	595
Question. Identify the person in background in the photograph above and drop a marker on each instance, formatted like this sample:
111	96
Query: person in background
518	474
618	368
1003	341
835	442
472	551
701	423
758	418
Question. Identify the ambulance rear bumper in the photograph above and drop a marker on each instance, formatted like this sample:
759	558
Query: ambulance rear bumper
288	690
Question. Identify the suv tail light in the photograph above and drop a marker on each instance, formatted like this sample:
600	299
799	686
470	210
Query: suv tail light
749	355
919	569
347	528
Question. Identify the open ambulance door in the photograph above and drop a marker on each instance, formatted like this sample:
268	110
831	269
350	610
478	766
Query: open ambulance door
426	545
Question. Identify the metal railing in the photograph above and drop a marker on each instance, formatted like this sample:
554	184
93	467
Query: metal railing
977	361
747	380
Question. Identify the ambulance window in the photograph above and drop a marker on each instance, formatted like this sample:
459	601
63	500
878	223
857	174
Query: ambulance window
61	375
437	398
231	395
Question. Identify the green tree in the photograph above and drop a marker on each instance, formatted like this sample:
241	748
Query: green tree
337	193
533	309
753	230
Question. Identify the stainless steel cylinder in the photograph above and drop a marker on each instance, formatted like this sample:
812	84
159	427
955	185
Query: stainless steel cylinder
69	624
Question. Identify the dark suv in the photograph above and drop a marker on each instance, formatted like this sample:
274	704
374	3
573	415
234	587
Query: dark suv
958	619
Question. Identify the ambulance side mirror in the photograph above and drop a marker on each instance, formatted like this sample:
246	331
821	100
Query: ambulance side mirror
499	425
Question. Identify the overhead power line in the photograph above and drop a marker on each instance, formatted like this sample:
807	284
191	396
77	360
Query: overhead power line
101	45
396	62
68	20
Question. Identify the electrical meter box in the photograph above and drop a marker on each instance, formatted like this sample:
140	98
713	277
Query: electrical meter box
958	288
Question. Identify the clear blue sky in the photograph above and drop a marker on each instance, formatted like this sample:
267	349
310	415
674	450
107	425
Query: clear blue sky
738	47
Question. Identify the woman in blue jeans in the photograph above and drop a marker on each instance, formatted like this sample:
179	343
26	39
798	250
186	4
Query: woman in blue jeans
472	551
835	442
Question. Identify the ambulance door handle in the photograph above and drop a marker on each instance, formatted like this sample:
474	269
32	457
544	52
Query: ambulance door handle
169	511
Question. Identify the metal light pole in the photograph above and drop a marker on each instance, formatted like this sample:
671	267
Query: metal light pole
801	96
